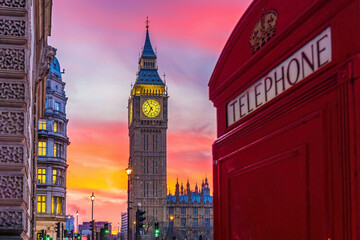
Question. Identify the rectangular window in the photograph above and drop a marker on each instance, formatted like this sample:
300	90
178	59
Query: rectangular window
41	175
42	149
57	177
42	124
156	142
183	211
183	222
59	206
207	222
144	165
41	199
55	150
147	142
54	177
171	210
207	211
57	106
195	211
56	205
58	150
52	204
55	126
195	222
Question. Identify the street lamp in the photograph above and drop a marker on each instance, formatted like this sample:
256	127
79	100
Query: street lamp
128	172
92	197
77	221
171	219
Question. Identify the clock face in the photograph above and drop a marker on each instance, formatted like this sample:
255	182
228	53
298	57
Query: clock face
151	108
130	113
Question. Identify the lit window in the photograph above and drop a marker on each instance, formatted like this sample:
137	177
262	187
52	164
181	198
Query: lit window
195	222
195	211
41	175
57	177
55	126
57	106
41	203
42	124
42	148
54	176
55	150
56	205
59	206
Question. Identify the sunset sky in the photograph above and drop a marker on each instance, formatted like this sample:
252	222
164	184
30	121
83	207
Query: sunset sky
98	45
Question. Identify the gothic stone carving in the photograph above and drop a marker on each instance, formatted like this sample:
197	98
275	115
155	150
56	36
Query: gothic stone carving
46	59
12	91
12	27
13	3
11	219
11	122
12	59
11	154
11	187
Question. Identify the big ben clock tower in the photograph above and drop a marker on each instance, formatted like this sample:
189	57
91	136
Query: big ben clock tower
147	132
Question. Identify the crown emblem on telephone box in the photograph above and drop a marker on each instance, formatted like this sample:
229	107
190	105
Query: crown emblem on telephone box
264	30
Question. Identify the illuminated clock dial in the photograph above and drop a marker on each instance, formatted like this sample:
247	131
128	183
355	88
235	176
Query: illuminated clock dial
151	108
130	113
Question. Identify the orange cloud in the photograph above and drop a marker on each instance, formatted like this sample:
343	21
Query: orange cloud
98	156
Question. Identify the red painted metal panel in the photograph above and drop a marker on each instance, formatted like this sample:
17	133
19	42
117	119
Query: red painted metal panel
289	169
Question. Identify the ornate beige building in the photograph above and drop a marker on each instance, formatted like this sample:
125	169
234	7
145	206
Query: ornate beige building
52	151
190	213
25	59
147	132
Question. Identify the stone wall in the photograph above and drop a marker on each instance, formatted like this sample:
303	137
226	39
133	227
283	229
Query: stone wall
24	27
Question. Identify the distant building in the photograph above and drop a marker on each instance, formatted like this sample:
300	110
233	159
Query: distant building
190	213
70	223
124	227
52	145
84	228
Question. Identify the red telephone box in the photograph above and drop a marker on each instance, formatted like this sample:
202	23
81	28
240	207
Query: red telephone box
287	93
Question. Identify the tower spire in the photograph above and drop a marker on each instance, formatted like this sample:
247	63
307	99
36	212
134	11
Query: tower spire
147	22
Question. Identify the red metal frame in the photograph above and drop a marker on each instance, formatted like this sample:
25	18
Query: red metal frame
289	170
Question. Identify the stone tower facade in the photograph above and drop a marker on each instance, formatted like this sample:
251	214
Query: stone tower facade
148	117
51	165
25	58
